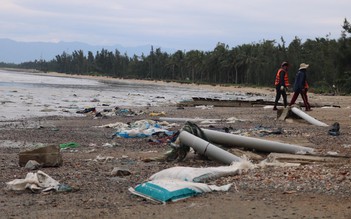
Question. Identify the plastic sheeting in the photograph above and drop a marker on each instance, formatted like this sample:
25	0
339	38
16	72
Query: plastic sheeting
193	174
35	182
141	129
164	190
178	183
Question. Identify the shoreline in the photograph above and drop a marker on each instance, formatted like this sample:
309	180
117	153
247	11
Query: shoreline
269	91
229	88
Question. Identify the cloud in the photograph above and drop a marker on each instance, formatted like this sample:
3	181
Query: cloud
182	24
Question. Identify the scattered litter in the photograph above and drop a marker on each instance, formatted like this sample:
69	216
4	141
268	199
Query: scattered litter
126	112
267	163
109	145
335	129
333	153
87	110
233	120
118	171
248	154
204	107
165	190
117	125
289	192
259	130
69	145
178	183
142	129
32	165
157	114
37	182
90	151
105	159
192	174
201	120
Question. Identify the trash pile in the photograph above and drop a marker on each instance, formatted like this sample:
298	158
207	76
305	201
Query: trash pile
142	129
180	182
109	112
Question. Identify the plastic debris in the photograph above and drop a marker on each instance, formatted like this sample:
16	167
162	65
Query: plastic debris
69	145
87	110
32	165
142	129
165	190
192	174
37	182
157	114
118	171
178	183
335	129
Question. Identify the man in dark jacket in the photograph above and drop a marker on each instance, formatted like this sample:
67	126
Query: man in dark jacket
281	83
300	86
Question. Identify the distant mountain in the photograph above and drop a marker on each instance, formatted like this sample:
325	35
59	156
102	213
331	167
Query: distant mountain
17	52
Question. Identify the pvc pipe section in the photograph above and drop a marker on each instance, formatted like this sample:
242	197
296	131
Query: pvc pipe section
254	143
307	117
206	148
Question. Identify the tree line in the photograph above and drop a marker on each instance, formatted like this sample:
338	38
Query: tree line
252	64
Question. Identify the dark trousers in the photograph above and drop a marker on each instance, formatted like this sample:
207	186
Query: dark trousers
280	93
304	98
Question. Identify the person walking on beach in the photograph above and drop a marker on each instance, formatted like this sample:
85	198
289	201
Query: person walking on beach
281	83
301	87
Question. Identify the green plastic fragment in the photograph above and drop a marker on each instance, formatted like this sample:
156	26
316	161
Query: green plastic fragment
69	145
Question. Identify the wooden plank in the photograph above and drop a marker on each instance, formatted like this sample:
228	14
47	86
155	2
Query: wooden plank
198	101
304	159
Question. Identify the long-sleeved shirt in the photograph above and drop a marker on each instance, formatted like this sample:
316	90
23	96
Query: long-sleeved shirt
300	80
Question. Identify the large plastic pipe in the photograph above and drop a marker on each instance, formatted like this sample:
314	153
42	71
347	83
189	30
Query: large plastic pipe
206	148
307	117
254	143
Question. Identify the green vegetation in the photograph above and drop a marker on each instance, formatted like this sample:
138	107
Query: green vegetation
249	64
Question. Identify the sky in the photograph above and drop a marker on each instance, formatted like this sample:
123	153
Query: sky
179	24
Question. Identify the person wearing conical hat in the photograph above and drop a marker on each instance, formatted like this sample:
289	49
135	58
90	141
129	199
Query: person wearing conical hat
300	87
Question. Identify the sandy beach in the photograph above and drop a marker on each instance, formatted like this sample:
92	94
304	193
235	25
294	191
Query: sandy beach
307	190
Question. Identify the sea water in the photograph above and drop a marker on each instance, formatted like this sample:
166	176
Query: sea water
25	94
